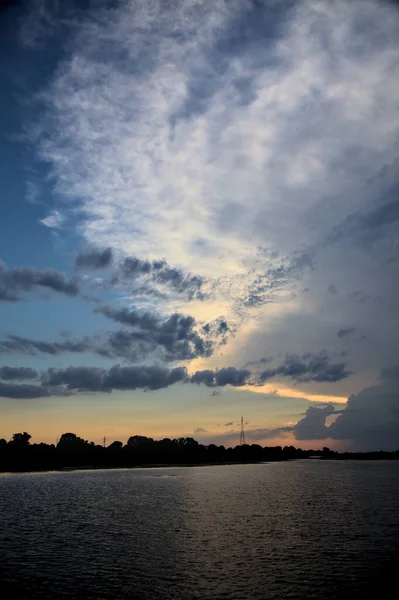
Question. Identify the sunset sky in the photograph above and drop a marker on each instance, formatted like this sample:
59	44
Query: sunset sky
199	220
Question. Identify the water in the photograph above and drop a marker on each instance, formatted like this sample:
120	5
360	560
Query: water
297	530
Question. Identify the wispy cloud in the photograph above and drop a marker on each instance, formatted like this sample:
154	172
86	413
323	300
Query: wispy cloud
54	220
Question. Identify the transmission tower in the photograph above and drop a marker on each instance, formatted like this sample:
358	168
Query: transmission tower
242	433
104	441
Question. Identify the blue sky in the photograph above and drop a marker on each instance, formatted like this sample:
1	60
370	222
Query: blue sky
199	208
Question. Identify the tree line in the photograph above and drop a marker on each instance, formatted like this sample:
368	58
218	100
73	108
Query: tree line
72	451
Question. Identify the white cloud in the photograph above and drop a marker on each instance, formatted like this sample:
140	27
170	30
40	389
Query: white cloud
181	139
55	220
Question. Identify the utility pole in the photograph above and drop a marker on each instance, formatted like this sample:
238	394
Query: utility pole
242	433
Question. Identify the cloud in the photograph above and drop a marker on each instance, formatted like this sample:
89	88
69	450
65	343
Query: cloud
152	377
371	417
308	367
229	424
371	227
22	391
275	279
369	421
10	373
176	337
345	332
75	378
200	430
18	344
54	221
231	376
94	379
312	426
252	156
221	377
176	334
94	259
195	137
159	272
16	281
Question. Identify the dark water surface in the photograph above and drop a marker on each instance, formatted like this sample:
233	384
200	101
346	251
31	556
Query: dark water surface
297	530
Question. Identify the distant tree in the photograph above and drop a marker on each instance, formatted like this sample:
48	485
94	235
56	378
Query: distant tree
21	439
327	452
43	446
70	441
187	442
212	448
139	442
256	447
3	443
115	445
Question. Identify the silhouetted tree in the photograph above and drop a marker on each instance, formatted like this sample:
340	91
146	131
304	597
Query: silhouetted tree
70	441
139	441
115	445
21	439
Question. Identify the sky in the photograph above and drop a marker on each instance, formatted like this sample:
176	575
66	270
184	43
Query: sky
199	220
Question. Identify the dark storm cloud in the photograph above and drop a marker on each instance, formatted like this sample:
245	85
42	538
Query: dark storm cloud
134	318
22	391
371	417
94	259
345	332
75	378
177	334
308	367
207	376
221	377
313	424
159	272
369	228
15	343
369	421
176	337
150	378
10	373
61	382
231	376
14	282
94	379
368	223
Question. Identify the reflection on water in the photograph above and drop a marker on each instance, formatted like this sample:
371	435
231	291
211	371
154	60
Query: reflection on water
284	530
